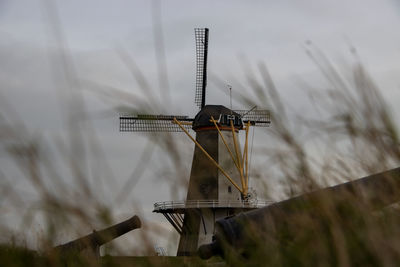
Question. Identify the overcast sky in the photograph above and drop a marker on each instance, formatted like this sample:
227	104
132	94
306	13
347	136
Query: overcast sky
95	32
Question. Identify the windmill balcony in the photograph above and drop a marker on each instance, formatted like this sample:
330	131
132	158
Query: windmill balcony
180	206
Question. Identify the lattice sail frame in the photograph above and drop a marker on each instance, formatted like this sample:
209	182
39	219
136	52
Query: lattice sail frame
201	36
152	123
259	118
165	123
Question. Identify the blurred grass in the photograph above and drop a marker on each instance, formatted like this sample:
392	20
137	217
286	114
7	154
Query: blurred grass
361	138
352	125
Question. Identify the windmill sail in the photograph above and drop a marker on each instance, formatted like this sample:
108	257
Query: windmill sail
261	118
201	35
152	123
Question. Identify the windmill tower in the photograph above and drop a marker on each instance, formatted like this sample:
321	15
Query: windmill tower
218	185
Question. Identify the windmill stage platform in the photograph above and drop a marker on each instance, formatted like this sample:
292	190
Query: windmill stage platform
174	211
181	206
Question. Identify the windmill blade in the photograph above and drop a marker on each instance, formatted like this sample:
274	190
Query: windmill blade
261	118
201	36
152	123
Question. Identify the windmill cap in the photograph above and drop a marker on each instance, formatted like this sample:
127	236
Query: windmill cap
203	118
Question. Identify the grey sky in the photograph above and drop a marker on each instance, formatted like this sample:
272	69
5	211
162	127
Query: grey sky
274	32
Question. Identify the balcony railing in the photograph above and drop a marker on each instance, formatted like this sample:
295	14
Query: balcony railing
190	204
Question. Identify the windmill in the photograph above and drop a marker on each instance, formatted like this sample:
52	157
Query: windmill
218	185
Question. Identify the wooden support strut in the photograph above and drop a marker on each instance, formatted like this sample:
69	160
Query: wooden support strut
239	160
209	157
183	123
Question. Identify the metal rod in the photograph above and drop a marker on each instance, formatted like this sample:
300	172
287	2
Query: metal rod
180	217
230	96
175	220
172	223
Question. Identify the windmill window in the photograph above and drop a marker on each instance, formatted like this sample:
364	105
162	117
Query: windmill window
229	189
226	119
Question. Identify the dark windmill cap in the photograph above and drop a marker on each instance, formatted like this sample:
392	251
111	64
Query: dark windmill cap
218	112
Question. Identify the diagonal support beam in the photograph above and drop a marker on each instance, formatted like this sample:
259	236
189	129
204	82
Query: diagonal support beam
238	159
246	156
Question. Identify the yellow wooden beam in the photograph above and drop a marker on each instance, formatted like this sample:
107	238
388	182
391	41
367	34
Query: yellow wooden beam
183	122
238	159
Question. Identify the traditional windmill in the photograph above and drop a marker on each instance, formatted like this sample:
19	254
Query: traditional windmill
218	185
